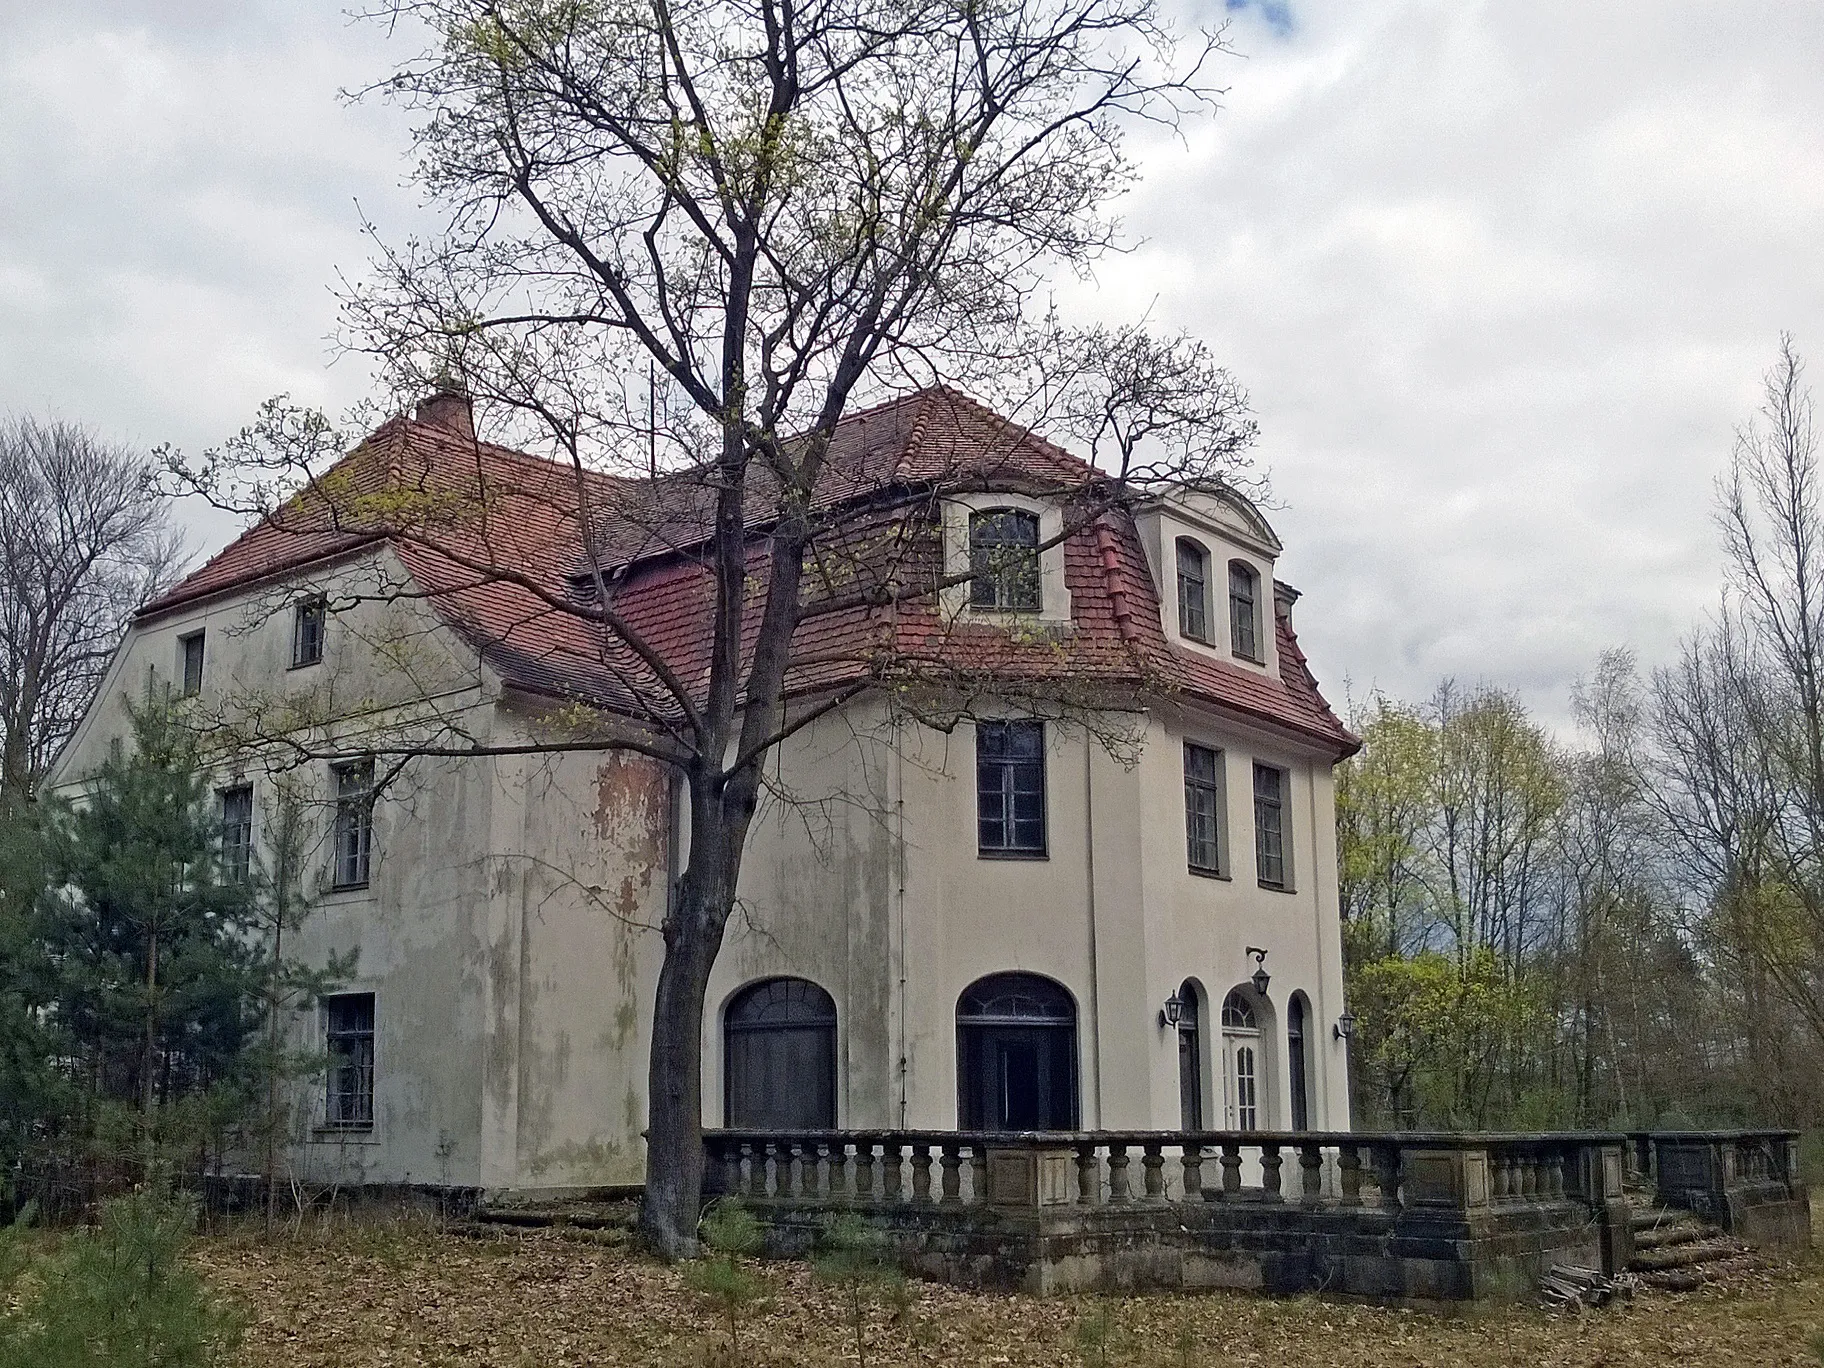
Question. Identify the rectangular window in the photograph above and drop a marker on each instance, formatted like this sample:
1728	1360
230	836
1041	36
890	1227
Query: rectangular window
1004	560
1010	787
348	1035
354	834
307	632
1202	809
237	833
191	648
1270	826
1193	591
1244	612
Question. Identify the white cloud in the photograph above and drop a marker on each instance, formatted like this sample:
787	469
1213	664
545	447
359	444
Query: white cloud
1501	278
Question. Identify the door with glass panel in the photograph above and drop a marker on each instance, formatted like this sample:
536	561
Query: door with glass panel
1240	1064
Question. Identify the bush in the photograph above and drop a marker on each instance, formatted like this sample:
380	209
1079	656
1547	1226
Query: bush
116	1297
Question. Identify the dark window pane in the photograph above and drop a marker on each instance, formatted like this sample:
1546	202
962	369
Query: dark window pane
1244	610
1202	809
307	633
193	663
779	1053
1010	786
1004	560
1193	590
1269	826
354	833
237	833
348	1021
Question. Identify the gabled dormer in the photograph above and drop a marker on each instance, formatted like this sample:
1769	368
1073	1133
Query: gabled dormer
1212	556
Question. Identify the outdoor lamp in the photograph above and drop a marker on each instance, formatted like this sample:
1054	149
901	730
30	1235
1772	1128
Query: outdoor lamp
1261	977
1173	1012
1345	1026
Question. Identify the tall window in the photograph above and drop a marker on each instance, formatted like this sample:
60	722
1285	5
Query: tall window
1016	1055
1193	590
191	648
1270	826
1202	809
1295	1061
237	833
348	1035
1004	560
1010	787
307	628
1244	611
1241	1063
354	834
1190	1057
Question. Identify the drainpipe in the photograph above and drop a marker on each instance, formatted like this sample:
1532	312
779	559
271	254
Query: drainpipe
899	852
1095	982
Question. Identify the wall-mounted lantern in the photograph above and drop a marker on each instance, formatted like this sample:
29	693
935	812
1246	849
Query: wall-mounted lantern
1345	1026
1261	977
1173	1011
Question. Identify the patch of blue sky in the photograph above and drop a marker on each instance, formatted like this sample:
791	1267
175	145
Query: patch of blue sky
1275	14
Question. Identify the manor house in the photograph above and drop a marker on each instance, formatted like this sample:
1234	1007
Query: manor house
1084	876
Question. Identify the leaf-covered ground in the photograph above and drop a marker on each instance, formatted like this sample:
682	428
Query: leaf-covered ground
402	1295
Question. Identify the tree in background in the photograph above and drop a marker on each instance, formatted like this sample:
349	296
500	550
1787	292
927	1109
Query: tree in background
84	540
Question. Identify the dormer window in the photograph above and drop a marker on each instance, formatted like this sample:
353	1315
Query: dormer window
1244	611
1004	560
1193	591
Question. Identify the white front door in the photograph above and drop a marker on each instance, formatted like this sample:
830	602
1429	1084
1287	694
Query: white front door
1241	1080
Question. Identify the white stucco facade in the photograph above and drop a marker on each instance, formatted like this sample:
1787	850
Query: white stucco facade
508	926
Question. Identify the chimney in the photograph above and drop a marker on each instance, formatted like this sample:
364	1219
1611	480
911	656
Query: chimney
448	407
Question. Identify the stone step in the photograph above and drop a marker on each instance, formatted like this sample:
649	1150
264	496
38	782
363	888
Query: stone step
583	1215
1659	1217
1671	1233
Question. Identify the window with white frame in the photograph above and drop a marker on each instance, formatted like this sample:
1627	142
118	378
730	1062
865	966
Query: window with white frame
310	621
1004	560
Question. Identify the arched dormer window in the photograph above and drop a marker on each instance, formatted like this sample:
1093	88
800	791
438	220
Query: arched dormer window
1193	590
1244	611
1004	560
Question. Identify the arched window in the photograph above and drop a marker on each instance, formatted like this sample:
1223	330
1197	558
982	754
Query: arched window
1016	1052
1297	1074
779	1057
1240	1063
1190	1056
1193	590
1004	560
1244	611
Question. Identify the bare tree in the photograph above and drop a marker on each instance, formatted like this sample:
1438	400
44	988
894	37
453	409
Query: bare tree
684	241
85	538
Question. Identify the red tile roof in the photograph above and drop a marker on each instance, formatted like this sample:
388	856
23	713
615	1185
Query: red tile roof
495	536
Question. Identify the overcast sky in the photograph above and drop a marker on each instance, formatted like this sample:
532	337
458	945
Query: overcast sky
1501	278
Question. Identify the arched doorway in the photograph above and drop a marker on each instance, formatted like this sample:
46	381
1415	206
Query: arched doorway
1016	1051
1240	1063
779	1057
1190	1056
1297	1067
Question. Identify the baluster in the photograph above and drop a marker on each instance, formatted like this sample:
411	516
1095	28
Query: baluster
921	1174
1311	1172
1152	1170
1089	1176
1192	1159
952	1163
1500	1181
816	1180
785	1170
1117	1173
1231	1168
978	1173
756	1169
1270	1162
890	1174
864	1171
1349	1167
840	1191
1387	1175
1529	1176
1554	1174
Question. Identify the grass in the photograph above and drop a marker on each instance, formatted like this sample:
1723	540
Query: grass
404	1293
